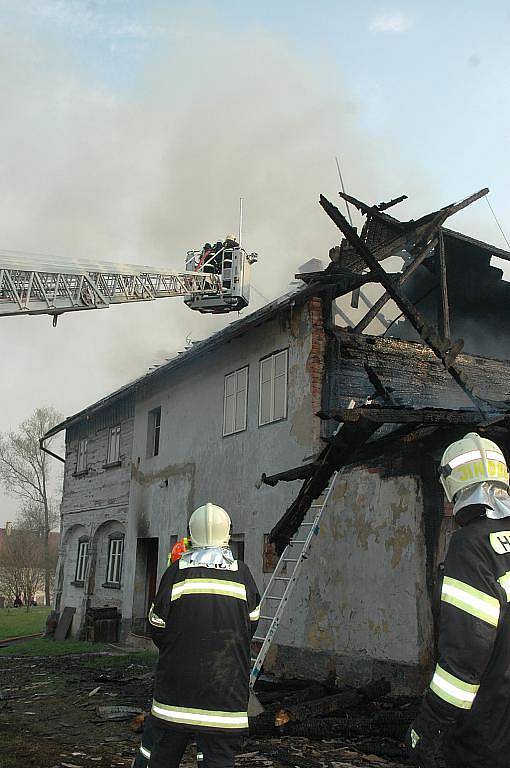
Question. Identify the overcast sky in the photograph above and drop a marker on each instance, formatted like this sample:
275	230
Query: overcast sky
129	131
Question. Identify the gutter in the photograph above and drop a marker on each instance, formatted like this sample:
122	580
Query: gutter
47	450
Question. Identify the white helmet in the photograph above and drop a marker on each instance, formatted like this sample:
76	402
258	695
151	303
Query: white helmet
231	237
469	461
209	526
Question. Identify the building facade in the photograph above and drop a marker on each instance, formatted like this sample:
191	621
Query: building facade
207	424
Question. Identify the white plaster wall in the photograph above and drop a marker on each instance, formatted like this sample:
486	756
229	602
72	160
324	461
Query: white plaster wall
200	465
365	578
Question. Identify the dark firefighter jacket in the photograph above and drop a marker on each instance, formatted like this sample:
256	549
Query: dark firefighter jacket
202	621
471	682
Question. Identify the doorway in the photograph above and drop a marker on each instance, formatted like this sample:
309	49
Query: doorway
146	575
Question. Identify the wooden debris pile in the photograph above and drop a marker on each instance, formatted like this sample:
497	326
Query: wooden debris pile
364	718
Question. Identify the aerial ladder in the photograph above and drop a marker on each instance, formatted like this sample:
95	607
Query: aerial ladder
215	282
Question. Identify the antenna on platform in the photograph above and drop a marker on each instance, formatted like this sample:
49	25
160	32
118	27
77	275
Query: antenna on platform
241	200
343	190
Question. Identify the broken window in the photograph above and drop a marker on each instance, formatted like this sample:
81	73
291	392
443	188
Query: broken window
115	552
113	455
153	432
82	560
273	387
235	401
81	464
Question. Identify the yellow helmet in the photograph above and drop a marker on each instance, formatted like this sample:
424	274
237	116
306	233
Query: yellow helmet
231	237
469	461
209	526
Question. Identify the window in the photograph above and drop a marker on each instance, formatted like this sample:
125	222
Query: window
237	545
113	455
153	432
115	551
82	560
234	401
81	464
273	388
270	558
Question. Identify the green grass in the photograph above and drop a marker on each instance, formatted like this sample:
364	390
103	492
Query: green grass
43	646
18	621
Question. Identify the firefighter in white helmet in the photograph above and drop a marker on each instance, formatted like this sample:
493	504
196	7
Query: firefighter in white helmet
202	620
465	714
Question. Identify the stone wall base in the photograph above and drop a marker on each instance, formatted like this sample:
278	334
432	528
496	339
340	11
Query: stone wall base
356	670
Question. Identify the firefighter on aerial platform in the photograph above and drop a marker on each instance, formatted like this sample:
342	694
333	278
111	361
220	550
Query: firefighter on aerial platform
465	713
204	615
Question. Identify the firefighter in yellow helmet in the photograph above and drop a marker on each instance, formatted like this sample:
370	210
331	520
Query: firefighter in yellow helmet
202	620
465	714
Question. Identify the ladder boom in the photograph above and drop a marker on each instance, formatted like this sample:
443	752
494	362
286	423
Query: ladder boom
31	286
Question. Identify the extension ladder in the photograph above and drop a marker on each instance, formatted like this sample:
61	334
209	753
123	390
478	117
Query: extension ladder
284	578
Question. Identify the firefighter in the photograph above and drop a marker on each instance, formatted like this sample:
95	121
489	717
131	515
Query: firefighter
144	751
230	242
465	713
202	620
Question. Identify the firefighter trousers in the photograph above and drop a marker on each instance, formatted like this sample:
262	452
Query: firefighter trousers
169	744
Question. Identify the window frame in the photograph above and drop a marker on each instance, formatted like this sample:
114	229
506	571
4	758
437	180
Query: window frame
82	561
114	537
81	457
114	434
239	542
273	356
237	391
154	418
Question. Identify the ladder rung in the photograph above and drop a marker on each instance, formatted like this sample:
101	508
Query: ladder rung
316	506
298	541
258	639
306	524
290	560
282	578
267	618
273	597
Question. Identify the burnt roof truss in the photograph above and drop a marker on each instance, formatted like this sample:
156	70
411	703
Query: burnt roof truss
354	440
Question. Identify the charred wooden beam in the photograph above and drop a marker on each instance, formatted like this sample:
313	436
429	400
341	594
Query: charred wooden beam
440	347
391	203
377	384
303	472
350	438
402	415
419	253
338	702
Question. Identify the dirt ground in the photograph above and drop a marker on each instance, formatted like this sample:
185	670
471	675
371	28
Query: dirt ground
49	718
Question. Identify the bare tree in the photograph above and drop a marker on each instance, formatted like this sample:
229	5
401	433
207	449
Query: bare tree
22	565
26	473
32	517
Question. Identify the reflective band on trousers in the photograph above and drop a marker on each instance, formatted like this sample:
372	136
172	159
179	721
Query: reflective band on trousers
452	689
505	583
255	614
210	718
156	620
145	752
208	587
471	600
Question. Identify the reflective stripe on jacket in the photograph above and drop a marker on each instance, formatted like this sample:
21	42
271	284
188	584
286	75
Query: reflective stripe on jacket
471	681
202	621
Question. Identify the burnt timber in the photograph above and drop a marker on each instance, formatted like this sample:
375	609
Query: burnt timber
423	388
